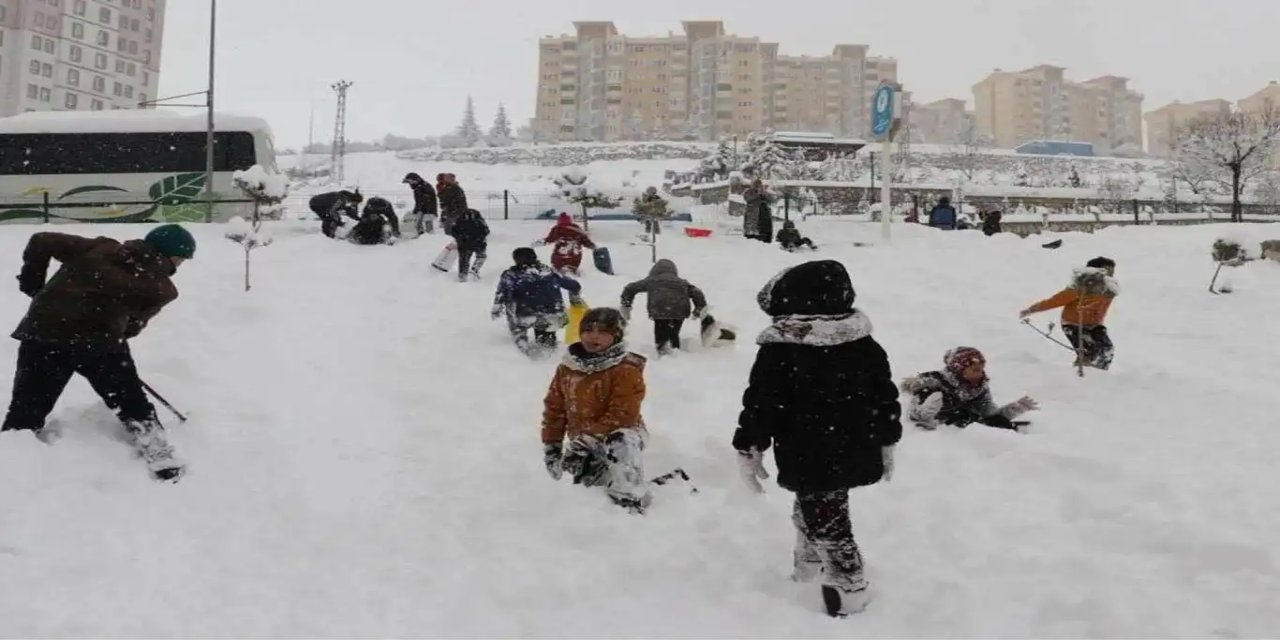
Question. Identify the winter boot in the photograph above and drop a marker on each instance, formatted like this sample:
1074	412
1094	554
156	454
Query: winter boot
475	267
841	602
154	449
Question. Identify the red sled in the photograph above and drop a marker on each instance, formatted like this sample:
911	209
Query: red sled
697	232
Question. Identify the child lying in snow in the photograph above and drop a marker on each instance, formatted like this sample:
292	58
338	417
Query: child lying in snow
959	395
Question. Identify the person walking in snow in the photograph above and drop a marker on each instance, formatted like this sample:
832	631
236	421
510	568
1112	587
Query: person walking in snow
822	394
791	240
757	221
453	200
960	395
471	233
424	203
943	215
377	225
1085	303
671	300
529	296
80	321
651	209
567	241
592	429
331	206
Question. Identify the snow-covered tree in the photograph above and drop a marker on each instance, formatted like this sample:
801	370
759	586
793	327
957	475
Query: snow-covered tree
469	131
265	189
1116	191
1236	146
500	132
840	168
765	159
1267	190
574	186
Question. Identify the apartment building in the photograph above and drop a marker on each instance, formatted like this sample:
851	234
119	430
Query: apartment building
69	55
598	84
1163	123
1040	103
940	122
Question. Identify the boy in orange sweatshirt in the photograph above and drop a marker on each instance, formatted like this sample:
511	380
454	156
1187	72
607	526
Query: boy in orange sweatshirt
1084	311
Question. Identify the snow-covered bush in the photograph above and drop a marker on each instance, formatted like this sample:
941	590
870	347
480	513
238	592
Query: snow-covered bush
265	189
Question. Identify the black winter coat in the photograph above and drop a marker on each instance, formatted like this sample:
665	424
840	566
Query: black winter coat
331	206
471	232
374	228
424	199
821	391
453	201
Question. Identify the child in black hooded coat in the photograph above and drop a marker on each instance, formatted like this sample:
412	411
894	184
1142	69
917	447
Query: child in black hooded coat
822	394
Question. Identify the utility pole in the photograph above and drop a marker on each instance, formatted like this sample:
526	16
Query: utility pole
209	138
338	154
311	138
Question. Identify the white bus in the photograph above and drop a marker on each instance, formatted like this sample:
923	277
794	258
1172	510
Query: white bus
141	165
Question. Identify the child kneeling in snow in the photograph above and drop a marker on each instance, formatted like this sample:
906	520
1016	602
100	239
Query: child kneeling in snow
821	392
959	395
1084	311
594	401
791	240
671	300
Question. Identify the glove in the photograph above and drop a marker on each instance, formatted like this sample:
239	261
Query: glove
886	456
1022	405
751	466
497	311
576	300
912	384
552	455
626	313
538	243
925	414
1024	313
697	313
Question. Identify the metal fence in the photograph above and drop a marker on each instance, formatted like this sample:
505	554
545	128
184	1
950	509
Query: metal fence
493	205
123	207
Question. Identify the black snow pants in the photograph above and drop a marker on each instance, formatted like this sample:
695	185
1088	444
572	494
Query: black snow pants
666	334
825	548
44	371
1097	348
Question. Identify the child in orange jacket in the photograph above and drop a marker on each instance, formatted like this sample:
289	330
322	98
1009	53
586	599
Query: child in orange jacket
594	403
1085	303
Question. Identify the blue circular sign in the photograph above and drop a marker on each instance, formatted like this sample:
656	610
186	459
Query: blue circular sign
882	111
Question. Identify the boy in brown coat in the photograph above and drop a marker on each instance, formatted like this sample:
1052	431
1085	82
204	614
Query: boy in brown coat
594	401
79	321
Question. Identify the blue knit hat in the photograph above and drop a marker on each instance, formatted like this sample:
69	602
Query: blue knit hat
173	241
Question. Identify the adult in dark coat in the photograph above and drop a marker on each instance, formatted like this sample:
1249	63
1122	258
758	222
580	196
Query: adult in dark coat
822	395
943	215
758	219
425	207
331	206
453	201
79	321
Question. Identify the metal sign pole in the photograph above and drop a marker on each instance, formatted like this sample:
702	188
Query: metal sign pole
883	112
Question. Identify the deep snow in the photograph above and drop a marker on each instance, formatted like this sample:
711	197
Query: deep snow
364	456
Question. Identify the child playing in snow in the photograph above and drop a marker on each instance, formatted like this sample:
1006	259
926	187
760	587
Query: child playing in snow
529	296
669	303
1084	310
790	239
959	395
594	401
567	240
822	392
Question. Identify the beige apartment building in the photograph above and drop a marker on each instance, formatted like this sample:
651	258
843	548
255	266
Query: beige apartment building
598	84
1163	123
939	122
1040	103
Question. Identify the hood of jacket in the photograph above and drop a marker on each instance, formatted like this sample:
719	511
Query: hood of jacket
816	288
664	267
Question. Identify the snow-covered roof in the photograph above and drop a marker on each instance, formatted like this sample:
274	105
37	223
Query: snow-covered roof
126	121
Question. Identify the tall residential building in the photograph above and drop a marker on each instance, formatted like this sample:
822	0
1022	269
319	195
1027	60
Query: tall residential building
68	55
1267	98
601	85
1040	103
1163	123
940	121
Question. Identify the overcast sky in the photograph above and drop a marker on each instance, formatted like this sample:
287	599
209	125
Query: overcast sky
415	61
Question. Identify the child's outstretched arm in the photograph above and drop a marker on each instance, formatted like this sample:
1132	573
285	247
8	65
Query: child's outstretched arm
1060	299
699	300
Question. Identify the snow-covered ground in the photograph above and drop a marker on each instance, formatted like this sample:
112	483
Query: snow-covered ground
364	456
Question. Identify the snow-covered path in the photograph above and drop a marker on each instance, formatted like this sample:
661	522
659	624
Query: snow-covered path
364	457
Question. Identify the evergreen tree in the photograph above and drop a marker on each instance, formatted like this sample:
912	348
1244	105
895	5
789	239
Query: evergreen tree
500	133
469	132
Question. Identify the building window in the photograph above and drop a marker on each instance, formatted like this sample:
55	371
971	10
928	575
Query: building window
39	19
96	105
99	84
45	94
35	67
73	77
146	78
79	7
72	101
117	90
100	61
46	70
2	10
124	22
133	25
147	34
33	92
77	31
48	45
133	48
128	91
104	15
76	53
36	41
132	69
103	38
119	66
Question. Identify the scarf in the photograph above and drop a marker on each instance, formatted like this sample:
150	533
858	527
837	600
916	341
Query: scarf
578	359
817	331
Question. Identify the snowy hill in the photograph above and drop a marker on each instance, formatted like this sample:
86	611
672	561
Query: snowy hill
364	457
